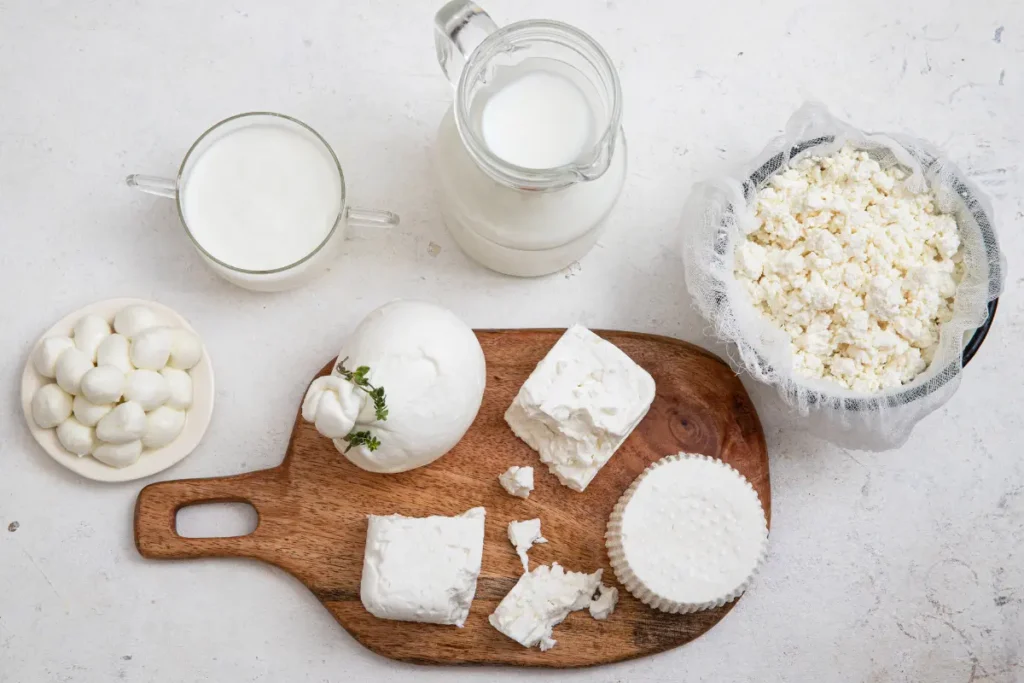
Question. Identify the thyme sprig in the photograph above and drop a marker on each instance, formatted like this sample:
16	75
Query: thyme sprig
376	394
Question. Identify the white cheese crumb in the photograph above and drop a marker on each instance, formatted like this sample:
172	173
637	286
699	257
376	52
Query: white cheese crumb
518	481
541	600
857	269
603	605
523	535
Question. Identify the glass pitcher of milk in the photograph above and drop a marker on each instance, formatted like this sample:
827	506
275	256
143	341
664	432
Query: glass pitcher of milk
531	156
262	198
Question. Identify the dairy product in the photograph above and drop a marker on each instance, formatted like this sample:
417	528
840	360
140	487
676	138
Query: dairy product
89	331
89	413
51	405
114	351
516	232
603	605
856	268
111	405
579	404
131	320
147	388
533	115
179	387
688	534
517	481
118	455
422	568
432	369
522	535
163	425
103	384
262	197
151	348
186	349
70	368
46	355
126	422
75	437
541	600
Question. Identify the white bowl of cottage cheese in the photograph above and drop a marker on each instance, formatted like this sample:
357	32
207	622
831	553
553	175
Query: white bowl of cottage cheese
848	269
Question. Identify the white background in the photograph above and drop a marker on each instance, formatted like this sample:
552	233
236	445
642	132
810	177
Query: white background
903	566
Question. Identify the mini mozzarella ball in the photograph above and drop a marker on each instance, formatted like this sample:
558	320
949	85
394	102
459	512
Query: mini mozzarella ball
186	349
47	353
151	349
76	437
89	332
89	413
113	350
132	320
147	388
71	367
51	405
180	384
118	455
163	426
103	384
126	422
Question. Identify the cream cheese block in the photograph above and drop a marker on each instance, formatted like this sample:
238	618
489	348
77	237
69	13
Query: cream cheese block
541	600
579	404
422	568
687	535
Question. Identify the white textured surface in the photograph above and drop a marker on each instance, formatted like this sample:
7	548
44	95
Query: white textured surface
906	566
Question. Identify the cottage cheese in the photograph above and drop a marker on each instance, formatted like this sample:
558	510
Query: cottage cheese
858	270
541	600
422	568
579	404
517	481
522	535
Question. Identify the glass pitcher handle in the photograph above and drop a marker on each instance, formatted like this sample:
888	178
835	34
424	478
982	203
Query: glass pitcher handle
459	27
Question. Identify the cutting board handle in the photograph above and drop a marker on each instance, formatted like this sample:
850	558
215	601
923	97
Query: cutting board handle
156	510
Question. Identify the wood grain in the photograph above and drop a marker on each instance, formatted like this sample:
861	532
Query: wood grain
312	508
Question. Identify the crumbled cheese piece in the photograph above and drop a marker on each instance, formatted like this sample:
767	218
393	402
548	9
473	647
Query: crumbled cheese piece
541	600
422	568
523	535
518	481
603	605
857	269
579	404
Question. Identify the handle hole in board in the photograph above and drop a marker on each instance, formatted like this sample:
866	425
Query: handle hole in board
216	520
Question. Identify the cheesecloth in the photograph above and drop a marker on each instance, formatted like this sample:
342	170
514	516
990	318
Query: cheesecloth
711	229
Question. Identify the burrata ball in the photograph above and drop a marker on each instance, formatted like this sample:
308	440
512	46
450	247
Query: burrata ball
432	370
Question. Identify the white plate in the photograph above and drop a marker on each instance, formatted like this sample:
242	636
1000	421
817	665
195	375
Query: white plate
152	461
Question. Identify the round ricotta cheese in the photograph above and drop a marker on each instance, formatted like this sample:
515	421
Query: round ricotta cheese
687	535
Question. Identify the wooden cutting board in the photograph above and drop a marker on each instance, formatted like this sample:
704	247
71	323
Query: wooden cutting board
313	506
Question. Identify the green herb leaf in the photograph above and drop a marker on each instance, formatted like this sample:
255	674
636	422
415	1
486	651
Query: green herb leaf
363	438
376	394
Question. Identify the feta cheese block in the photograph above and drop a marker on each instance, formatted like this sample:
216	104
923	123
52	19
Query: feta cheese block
522	535
422	568
541	600
579	404
517	481
687	535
